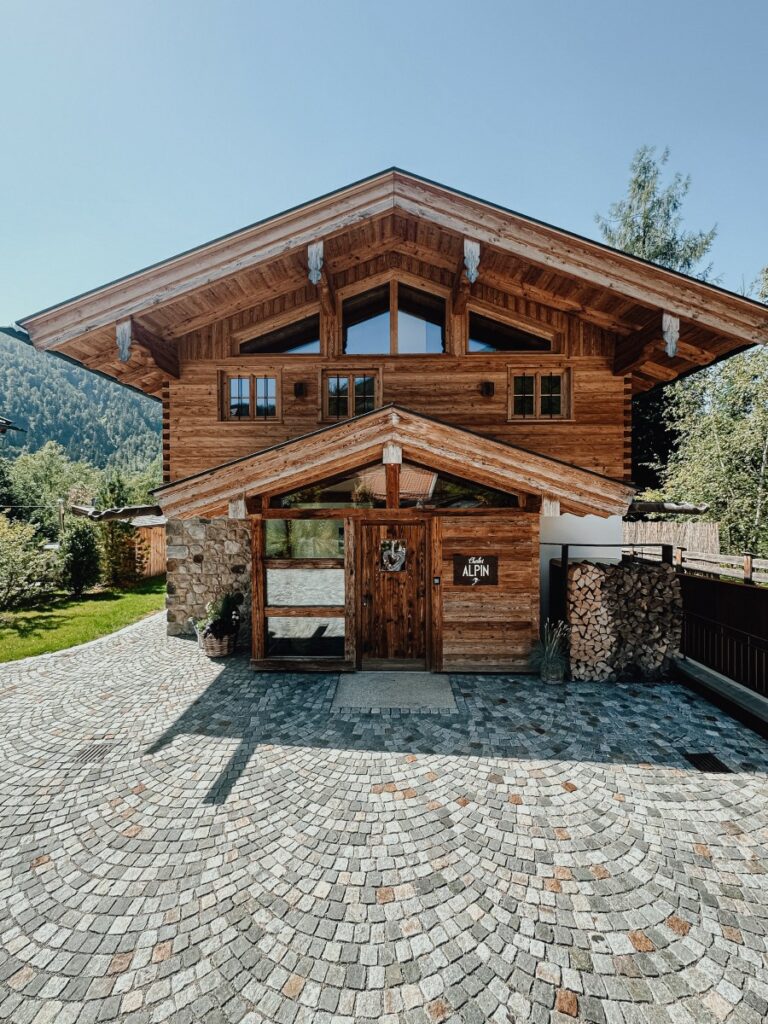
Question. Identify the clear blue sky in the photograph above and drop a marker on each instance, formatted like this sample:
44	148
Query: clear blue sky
134	130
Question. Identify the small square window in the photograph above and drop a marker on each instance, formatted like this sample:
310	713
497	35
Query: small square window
250	398
539	394
350	394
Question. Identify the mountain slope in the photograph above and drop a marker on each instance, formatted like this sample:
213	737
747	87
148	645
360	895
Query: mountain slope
94	419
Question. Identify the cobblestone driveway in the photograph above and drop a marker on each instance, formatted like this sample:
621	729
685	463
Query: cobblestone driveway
186	841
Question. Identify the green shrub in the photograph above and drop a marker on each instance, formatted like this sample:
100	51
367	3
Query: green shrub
26	575
80	557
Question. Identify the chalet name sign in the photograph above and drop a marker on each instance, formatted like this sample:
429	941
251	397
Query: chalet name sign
475	570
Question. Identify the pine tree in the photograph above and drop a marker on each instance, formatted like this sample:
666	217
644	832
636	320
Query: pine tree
80	557
648	223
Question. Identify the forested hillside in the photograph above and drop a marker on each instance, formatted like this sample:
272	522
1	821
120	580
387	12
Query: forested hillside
94	419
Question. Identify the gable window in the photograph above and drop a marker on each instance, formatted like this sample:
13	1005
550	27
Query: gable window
365	323
393	318
349	394
487	335
250	397
539	394
300	338
420	322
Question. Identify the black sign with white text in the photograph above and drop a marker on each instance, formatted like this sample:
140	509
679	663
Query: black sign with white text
475	570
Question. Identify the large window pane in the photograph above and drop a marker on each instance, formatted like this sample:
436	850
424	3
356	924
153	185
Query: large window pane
487	335
338	396
266	397
551	394
304	538
523	402
420	322
365	395
304	637
239	397
301	338
294	588
365	322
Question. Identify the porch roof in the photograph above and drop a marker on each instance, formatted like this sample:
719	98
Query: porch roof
359	442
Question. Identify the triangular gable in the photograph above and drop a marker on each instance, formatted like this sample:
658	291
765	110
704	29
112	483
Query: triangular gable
360	441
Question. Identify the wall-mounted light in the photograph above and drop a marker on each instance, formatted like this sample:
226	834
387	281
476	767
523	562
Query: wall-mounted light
487	389
300	389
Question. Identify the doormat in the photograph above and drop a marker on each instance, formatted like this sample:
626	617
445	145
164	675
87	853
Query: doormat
389	691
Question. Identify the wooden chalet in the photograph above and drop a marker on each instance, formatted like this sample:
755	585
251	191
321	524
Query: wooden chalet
397	386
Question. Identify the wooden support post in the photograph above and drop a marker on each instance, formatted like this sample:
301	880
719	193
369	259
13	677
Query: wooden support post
748	556
666	554
564	592
678	558
392	470
258	584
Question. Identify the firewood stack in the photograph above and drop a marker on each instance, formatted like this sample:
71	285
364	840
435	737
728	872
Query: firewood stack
626	620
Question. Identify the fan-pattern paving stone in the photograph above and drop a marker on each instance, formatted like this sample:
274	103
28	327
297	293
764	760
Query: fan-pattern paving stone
237	852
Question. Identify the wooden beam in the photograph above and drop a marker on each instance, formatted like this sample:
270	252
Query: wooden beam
635	349
392	470
129	332
461	290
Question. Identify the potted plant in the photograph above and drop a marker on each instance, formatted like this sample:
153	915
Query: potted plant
217	630
550	654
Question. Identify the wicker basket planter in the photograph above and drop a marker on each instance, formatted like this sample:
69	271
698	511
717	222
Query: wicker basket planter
217	631
216	646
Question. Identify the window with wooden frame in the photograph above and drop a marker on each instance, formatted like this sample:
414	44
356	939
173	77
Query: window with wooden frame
488	336
349	394
393	319
302	337
253	396
539	394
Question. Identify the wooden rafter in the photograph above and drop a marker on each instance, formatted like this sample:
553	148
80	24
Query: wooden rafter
129	332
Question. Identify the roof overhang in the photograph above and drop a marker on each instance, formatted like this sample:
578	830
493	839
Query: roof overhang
736	321
359	442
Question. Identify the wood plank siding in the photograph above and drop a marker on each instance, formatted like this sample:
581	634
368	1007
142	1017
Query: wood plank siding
446	387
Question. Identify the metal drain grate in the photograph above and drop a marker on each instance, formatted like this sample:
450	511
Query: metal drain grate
708	763
93	753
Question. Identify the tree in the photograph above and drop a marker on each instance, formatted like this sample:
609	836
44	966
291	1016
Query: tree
7	497
80	557
117	538
25	574
41	479
648	223
720	420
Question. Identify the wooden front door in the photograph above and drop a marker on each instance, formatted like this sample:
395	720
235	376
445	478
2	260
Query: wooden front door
393	595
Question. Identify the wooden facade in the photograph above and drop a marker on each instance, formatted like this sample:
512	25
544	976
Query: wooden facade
541	418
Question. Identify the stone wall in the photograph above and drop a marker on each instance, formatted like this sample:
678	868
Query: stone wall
205	558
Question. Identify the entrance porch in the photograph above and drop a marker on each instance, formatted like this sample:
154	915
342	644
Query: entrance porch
392	541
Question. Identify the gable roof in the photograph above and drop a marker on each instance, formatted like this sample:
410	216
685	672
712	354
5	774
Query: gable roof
359	442
163	294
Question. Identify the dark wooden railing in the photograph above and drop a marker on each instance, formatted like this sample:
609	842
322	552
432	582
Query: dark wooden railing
725	627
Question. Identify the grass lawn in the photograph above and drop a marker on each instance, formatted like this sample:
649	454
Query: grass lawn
65	621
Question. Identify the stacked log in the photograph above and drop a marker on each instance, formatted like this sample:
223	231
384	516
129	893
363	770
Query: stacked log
626	620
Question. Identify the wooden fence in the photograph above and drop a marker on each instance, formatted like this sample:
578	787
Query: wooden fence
744	567
150	542
692	536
